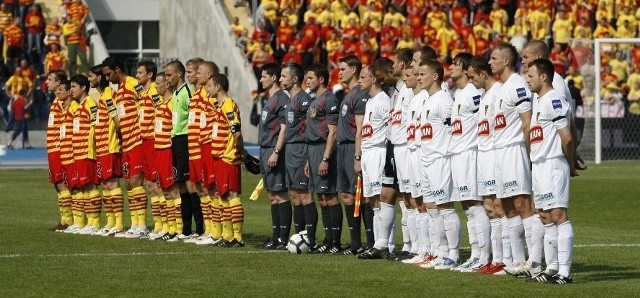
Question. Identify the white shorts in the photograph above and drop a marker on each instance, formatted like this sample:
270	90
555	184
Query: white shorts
513	171
415	172
436	181
372	170
464	176
486	173
551	184
402	159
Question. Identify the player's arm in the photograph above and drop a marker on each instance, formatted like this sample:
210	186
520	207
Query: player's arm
273	159
235	128
525	117
568	148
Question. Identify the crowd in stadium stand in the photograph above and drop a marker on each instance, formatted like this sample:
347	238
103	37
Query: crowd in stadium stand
32	47
323	31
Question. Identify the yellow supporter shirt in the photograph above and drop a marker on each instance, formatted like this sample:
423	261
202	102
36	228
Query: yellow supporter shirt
498	19
375	19
482	31
578	80
437	19
561	30
325	18
620	68
445	36
582	32
405	44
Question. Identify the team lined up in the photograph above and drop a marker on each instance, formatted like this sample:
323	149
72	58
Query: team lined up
156	131
487	144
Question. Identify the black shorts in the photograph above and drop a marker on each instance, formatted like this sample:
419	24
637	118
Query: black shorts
273	179
318	184
296	159
390	177
180	154
346	175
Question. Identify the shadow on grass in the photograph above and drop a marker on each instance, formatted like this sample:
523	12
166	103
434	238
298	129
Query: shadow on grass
599	272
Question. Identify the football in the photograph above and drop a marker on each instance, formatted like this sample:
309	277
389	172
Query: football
298	243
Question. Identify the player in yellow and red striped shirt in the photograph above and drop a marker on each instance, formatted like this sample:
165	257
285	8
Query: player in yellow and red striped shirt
132	159
227	150
108	153
84	153
162	163
148	100
208	196
195	155
56	173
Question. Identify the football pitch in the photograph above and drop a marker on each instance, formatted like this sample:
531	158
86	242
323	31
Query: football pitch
36	262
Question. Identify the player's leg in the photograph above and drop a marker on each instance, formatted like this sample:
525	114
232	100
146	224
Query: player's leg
387	214
441	188
373	161
346	186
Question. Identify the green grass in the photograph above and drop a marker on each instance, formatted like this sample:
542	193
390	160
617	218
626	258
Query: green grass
37	262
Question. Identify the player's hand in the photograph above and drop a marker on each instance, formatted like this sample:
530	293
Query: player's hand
306	169
357	167
273	160
323	169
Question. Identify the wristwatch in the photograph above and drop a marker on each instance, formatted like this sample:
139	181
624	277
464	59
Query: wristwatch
357	157
276	151
325	159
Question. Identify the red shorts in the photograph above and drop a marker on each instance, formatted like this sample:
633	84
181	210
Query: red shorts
162	168
69	175
148	154
109	166
227	177
85	172
132	162
195	170
56	172
207	165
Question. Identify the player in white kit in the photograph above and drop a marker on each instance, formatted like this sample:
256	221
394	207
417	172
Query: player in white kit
435	134
373	148
552	154
481	76
511	142
397	130
464	157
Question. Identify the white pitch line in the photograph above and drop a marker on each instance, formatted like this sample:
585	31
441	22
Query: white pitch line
230	252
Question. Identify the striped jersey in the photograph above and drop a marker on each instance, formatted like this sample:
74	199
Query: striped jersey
56	118
146	111
127	108
226	123
83	130
163	125
107	140
193	128
66	133
206	119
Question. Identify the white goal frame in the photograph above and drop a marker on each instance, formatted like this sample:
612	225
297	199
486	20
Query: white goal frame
598	86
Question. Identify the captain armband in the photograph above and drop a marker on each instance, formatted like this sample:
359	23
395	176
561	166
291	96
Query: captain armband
235	127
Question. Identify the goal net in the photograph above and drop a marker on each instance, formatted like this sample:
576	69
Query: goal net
607	74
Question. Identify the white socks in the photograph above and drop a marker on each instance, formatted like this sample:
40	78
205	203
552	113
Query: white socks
406	238
376	229
392	235
386	217
551	248
425	241
516	235
507	256
527	223
412	214
565	248
537	241
452	232
438	238
483	232
496	240
471	231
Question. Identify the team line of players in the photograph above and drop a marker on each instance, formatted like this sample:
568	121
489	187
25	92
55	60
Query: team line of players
156	130
488	145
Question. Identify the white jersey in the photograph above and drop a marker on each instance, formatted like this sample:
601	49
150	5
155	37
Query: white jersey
485	118
435	126
374	125
514	98
464	119
415	109
400	116
562	89
444	86
549	114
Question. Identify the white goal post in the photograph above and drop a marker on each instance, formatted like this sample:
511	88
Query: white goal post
597	114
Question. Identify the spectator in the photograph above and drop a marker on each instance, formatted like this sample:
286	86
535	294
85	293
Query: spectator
27	71
576	77
236	27
17	82
620	66
55	59
19	106
78	12
34	22
53	33
14	42
6	18
25	5
71	32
